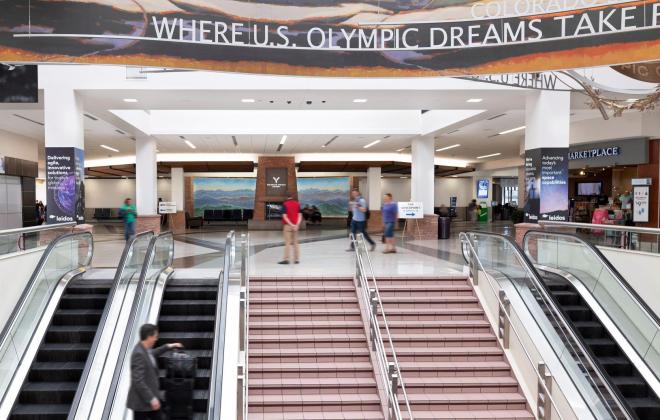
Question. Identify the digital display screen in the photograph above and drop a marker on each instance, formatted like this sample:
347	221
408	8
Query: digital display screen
589	188
18	84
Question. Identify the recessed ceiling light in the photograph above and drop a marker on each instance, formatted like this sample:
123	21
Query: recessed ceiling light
360	100
474	100
130	100
522	127
112	149
283	139
248	101
401	149
372	144
447	148
487	156
403	177
189	143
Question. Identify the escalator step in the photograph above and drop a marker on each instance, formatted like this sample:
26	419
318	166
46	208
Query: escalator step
63	352
48	392
40	412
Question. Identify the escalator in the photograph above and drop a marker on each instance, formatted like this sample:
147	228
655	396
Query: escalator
187	316
52	380
619	330
624	376
53	333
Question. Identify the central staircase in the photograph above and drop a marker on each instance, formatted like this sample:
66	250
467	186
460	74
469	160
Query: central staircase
308	352
451	362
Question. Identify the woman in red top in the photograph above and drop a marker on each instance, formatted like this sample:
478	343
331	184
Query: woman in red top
600	217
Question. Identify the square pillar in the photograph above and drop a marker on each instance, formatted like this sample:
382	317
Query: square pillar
374	192
146	192
422	186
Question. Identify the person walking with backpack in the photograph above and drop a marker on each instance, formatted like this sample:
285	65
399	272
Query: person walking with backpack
359	220
129	214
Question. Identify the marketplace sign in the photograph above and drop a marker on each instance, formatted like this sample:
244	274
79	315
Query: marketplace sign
334	37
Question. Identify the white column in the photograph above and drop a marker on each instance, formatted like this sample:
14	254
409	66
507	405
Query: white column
63	118
423	173
177	188
374	188
547	119
146	194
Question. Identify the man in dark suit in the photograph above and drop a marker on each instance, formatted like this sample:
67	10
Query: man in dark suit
144	397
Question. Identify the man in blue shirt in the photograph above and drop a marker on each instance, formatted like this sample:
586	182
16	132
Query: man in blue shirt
359	221
389	212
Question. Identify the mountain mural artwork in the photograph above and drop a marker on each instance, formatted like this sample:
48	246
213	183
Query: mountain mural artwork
330	195
223	194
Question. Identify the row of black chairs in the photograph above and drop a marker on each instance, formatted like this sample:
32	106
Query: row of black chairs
228	215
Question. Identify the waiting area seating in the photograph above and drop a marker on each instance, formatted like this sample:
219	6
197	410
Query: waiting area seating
228	215
105	213
194	222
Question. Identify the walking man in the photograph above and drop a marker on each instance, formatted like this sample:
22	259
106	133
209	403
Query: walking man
128	213
291	218
144	396
390	212
359	221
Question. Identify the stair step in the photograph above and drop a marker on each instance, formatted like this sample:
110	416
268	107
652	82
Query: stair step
303	311
303	288
470	415
297	400
308	338
463	366
303	383
319	415
320	367
474	399
310	351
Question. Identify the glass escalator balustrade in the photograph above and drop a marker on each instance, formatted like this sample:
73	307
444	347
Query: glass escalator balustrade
594	295
503	260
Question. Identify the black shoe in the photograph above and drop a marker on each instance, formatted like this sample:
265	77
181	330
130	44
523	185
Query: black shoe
297	262
283	262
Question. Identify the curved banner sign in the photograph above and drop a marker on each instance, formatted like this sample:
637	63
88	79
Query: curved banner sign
334	37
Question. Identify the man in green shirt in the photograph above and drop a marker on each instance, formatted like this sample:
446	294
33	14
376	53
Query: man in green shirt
128	213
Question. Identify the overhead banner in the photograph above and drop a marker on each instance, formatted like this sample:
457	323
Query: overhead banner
65	189
334	37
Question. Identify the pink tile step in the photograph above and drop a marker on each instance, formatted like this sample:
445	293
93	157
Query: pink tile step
471	415
461	384
319	415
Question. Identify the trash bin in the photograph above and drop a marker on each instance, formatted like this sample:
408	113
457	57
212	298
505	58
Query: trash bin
444	227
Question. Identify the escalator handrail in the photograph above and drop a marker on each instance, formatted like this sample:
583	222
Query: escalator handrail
11	322
35	274
608	265
128	334
618	228
217	364
119	273
558	315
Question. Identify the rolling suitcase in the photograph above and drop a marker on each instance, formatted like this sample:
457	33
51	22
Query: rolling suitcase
179	384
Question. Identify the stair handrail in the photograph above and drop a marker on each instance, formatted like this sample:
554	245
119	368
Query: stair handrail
7	336
390	370
220	329
244	342
131	327
127	254
614	273
557	315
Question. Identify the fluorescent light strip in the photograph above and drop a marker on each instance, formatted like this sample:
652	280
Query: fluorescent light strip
112	149
248	101
91	117
487	156
474	100
192	146
522	127
401	149
120	132
283	140
373	143
329	141
494	117
447	148
359	100
28	119
130	100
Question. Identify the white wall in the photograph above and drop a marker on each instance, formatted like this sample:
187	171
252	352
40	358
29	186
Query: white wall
462	188
110	193
20	265
14	145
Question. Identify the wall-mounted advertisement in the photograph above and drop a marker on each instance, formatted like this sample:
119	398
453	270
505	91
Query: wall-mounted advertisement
65	188
546	184
482	188
329	195
641	194
368	38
